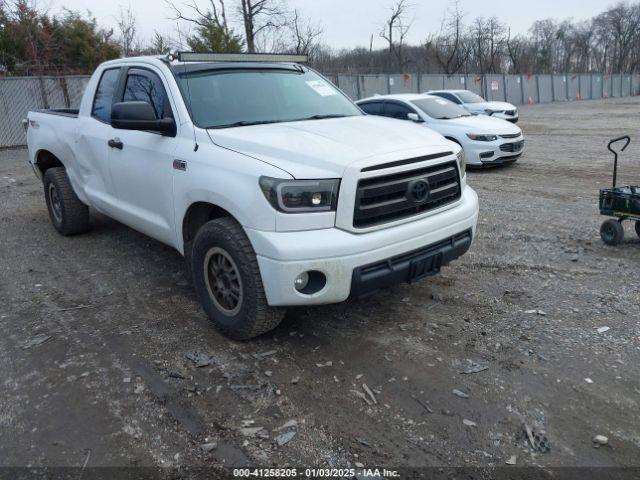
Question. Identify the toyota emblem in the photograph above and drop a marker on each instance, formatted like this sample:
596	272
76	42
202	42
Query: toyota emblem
418	191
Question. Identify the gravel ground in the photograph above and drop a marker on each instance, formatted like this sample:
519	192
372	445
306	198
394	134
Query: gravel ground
96	331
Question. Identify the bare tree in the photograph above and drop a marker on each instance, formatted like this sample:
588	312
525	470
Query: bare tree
496	38
448	44
583	37
213	32
516	50
622	25
259	16
216	14
543	37
306	35
160	44
395	30
127	25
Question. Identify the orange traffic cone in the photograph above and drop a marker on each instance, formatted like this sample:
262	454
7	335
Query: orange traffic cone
530	101
578	97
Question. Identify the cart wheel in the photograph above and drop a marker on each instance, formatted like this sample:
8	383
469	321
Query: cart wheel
638	227
612	232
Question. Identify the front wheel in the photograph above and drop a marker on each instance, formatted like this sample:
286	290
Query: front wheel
612	232
228	282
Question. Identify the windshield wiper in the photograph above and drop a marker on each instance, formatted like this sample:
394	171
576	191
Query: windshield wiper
246	123
328	115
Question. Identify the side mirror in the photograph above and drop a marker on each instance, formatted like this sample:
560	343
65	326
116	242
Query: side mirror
414	117
140	116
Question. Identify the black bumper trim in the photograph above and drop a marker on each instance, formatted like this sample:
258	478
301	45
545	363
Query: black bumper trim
368	279
498	161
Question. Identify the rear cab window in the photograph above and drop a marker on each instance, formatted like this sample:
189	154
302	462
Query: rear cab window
103	100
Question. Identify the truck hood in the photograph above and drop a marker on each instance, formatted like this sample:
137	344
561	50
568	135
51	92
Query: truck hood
495	106
481	124
324	148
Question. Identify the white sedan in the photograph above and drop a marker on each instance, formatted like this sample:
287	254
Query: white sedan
486	140
477	105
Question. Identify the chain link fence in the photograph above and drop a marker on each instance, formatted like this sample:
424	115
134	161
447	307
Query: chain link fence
18	95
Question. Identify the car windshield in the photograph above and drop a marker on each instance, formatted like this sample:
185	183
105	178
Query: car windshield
469	97
234	98
440	108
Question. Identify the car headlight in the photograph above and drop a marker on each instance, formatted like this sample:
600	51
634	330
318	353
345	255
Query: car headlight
298	196
482	138
462	164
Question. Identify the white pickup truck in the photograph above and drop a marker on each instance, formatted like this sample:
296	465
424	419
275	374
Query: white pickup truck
276	188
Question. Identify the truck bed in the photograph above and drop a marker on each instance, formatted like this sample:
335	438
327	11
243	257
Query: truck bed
65	112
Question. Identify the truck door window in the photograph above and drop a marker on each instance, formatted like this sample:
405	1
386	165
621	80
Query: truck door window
145	86
103	100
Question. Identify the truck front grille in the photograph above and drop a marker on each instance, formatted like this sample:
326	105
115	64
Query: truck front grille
388	198
512	147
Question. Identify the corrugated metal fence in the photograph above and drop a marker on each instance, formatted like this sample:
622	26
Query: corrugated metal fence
516	89
18	95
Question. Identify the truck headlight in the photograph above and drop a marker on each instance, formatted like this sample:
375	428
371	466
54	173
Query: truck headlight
482	138
462	164
298	196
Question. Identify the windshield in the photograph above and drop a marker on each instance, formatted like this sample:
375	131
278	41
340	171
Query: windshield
469	97
232	98
440	108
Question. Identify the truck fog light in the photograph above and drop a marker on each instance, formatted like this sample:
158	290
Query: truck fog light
301	281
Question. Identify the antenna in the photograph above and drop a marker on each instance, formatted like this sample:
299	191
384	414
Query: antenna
171	57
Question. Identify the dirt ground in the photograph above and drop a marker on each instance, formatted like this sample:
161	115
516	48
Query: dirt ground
96	331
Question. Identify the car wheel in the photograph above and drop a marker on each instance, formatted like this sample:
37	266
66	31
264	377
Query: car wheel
228	282
638	228
612	232
68	214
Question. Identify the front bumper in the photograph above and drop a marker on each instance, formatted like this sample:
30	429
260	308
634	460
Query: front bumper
509	118
282	256
409	267
480	154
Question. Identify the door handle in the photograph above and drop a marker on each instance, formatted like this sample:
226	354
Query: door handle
115	143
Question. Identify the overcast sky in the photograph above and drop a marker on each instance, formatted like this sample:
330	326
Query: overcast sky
348	23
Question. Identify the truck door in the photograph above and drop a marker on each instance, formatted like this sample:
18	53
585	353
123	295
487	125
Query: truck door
93	154
141	162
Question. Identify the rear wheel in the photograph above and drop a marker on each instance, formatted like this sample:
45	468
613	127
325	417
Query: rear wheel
638	228
68	214
228	282
612	232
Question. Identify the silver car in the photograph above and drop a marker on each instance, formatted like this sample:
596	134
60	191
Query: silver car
477	105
